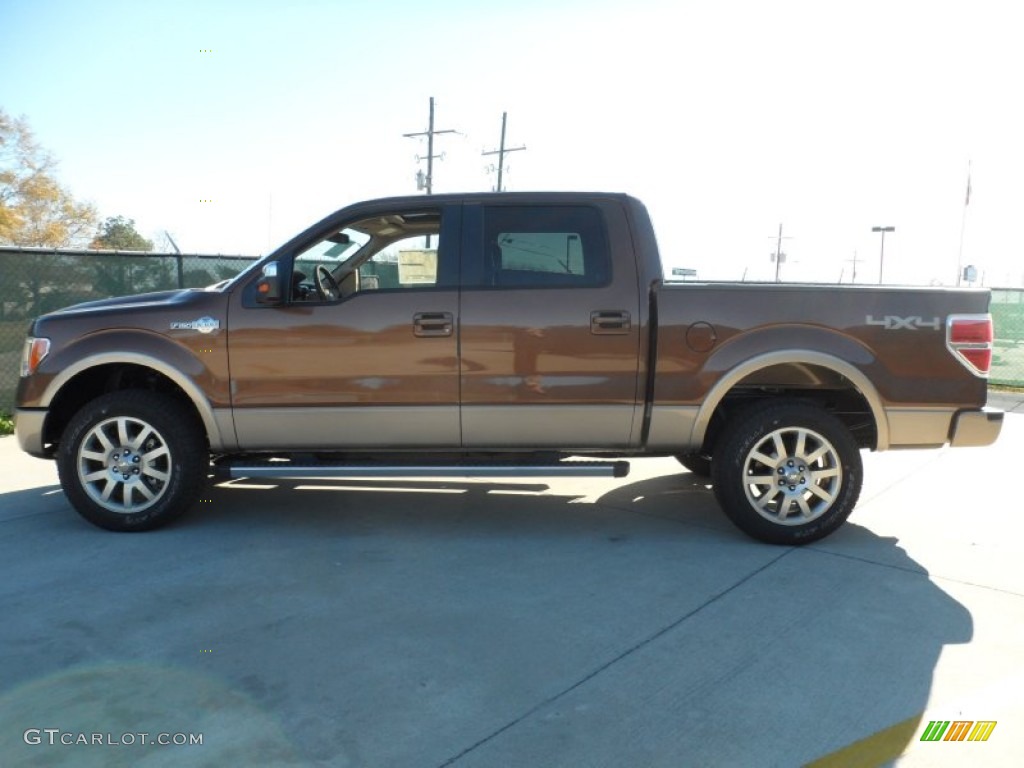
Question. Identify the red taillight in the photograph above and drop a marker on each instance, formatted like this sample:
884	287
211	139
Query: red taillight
969	338
964	330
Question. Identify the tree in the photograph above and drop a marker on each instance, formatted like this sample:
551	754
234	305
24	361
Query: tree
34	208
118	234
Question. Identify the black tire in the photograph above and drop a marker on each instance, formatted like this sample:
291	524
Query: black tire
132	460
698	464
808	485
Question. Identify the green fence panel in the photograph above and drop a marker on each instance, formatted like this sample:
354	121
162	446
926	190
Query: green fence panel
1008	319
34	281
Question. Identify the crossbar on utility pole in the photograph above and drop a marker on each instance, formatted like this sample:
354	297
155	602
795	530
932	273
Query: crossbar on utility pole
501	151
430	133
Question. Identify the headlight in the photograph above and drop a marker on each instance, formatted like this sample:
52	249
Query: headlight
33	354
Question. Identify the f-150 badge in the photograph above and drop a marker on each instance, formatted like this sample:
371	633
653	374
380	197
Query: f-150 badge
895	323
203	325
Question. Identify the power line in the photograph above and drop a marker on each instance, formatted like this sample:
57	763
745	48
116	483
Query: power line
427	182
500	152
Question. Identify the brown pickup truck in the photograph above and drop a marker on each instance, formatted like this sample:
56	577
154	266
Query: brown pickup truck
500	335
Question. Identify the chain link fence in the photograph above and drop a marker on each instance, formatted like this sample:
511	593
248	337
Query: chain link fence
36	280
1008	318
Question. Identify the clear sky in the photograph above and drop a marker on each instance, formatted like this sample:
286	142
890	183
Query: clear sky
725	117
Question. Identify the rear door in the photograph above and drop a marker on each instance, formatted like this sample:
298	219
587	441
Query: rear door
549	327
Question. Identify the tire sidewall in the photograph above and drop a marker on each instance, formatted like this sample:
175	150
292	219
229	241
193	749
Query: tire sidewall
181	435
750	428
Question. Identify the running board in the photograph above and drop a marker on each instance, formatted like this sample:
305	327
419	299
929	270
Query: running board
288	469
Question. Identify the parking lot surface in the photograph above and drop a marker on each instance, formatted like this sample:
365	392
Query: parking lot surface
537	623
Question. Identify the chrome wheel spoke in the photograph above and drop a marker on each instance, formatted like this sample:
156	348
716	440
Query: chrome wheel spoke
801	443
147	494
798	483
141	437
783	509
122	431
822	450
780	447
156	453
108	488
156	474
113	470
821	493
100	435
805	508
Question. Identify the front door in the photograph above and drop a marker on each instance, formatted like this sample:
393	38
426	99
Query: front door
364	353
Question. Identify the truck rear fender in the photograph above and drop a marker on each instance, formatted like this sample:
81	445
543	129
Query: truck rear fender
770	364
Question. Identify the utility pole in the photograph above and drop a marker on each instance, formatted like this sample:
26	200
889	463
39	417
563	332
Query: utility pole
855	262
881	255
778	257
963	226
500	152
428	182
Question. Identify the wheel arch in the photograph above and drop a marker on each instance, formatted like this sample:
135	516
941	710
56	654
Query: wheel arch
802	373
98	374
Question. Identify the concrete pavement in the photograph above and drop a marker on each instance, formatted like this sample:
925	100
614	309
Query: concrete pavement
562	623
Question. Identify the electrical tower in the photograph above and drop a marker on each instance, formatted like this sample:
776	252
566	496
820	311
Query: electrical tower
501	151
427	182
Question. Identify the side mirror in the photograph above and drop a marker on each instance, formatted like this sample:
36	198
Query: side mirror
268	287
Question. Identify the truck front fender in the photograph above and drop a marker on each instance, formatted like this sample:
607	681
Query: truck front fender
191	375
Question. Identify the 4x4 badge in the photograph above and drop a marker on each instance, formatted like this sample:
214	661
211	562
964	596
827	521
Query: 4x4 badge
203	325
895	323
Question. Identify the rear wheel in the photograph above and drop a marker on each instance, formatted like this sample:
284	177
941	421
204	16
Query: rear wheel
787	473
132	460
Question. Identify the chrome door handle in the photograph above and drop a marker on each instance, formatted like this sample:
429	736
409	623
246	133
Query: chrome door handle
432	324
607	322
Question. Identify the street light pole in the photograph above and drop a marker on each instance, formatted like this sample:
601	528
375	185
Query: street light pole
881	257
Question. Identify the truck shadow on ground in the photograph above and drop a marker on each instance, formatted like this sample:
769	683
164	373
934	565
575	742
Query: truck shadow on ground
577	621
552	506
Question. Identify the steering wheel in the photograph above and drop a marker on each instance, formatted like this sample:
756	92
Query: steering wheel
326	285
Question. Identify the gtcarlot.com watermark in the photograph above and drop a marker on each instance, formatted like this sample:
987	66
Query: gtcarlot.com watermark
57	737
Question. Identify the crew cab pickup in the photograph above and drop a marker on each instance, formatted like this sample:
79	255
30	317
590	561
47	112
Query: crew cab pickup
500	334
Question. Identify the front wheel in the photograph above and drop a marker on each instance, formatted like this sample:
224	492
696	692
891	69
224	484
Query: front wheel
787	473
132	460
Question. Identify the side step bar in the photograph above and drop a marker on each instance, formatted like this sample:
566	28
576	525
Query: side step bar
288	469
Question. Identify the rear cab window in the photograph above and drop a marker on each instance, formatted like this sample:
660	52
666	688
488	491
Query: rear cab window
544	247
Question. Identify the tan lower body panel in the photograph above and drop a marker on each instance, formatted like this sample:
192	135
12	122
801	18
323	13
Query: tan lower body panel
428	426
672	427
919	427
552	427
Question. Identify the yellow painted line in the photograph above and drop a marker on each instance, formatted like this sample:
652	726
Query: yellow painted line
877	749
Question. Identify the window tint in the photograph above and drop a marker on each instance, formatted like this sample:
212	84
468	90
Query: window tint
545	246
